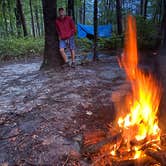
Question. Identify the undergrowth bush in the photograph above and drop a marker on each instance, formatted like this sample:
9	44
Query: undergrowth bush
148	34
20	47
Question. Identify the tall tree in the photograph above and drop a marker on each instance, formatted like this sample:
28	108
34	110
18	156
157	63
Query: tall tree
4	16
51	50
119	16
18	22
84	10
163	23
32	20
20	10
95	21
37	20
143	8
10	17
70	9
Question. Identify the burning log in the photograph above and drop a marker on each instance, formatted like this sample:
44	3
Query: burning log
158	156
137	142
135	162
93	137
94	148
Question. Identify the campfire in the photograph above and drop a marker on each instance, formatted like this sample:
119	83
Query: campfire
135	139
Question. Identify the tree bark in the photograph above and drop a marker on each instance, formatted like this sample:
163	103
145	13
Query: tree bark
4	16
119	16
141	7
10	18
145	8
18	22
163	24
84	10
95	29
37	20
70	9
20	10
52	56
32	20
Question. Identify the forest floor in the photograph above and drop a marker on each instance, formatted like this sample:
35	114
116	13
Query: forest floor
44	113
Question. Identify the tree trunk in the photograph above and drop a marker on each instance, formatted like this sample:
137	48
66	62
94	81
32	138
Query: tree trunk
19	7
163	24
37	20
84	10
32	20
18	22
52	56
80	15
145	8
41	22
119	16
95	21
70	9
10	18
4	16
141	7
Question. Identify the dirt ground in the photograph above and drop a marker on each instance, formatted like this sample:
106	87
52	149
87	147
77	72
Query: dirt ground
43	114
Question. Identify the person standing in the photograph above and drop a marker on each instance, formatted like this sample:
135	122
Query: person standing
66	29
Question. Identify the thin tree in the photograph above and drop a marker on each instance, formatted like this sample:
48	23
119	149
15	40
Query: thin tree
37	20
84	10
10	17
145	8
32	20
95	21
21	14
70	9
52	56
4	16
163	23
119	16
18	22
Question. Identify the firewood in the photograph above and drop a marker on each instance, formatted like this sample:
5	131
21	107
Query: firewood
150	145
94	148
135	162
159	156
90	138
163	140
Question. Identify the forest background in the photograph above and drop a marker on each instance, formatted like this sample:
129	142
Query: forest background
22	24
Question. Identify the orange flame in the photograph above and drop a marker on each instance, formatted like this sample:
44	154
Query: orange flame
141	122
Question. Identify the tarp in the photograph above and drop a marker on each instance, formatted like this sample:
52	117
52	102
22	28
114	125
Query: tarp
88	30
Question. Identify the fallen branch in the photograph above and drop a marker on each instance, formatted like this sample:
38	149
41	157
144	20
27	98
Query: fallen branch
96	147
135	162
12	136
158	156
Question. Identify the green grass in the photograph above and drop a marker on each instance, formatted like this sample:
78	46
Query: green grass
20	47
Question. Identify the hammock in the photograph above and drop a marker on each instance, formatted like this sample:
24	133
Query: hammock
88	31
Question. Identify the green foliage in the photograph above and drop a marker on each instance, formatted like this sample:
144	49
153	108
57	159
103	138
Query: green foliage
20	47
84	44
147	33
114	42
111	43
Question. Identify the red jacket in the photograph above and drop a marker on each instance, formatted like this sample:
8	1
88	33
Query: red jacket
65	27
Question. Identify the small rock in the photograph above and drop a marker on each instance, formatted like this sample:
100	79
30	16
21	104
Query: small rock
89	113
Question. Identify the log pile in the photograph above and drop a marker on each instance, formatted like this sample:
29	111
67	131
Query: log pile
97	146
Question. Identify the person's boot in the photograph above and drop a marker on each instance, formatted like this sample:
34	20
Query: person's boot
66	64
73	64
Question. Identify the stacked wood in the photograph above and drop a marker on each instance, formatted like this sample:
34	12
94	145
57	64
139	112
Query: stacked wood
98	140
94	143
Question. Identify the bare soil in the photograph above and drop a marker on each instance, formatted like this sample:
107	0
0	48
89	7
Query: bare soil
44	113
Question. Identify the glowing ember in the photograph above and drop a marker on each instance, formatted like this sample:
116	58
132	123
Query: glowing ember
140	124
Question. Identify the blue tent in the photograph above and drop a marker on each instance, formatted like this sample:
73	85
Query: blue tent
85	30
